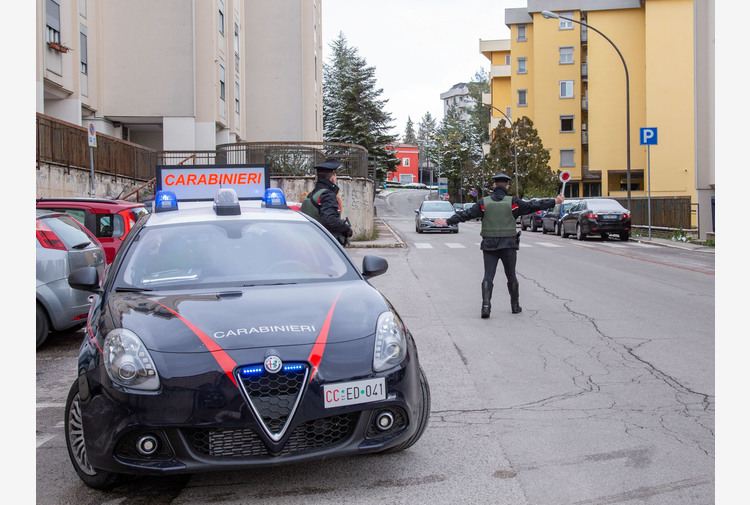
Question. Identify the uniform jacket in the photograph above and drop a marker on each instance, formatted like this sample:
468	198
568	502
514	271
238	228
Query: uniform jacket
519	208
330	213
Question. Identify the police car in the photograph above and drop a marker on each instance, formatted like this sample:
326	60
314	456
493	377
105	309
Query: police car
236	334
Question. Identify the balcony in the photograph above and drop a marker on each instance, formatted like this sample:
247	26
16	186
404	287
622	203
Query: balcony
584	104
584	138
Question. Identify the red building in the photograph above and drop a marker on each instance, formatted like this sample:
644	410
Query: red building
408	170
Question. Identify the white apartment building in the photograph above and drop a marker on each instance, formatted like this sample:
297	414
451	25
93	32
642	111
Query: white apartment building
458	96
183	74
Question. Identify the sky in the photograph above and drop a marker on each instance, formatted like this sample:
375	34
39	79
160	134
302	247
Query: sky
419	48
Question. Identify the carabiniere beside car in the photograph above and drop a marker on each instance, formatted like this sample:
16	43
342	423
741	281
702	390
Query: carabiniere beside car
237	336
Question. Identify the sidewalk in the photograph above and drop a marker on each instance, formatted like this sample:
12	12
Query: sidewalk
687	246
386	237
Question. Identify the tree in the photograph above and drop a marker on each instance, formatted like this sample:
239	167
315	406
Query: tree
478	114
353	112
535	177
410	137
458	148
427	145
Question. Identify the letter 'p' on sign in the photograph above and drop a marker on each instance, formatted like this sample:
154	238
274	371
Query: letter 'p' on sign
649	137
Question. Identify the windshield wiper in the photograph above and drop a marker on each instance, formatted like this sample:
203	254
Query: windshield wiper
131	290
82	245
268	284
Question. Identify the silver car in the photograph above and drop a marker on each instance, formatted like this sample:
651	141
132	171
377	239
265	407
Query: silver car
62	246
431	210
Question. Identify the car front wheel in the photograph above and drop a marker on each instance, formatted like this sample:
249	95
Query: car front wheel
76	442
625	236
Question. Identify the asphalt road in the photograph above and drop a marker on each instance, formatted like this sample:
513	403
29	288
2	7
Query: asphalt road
601	391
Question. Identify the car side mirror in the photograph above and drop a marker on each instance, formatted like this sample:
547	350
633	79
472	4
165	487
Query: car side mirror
85	279
373	265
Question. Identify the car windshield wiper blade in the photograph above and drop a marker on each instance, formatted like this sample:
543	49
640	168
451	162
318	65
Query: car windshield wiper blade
131	290
82	245
267	284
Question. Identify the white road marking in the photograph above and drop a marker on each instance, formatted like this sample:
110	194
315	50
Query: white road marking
548	244
422	245
454	245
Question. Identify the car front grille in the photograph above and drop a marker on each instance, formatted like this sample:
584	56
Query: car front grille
245	443
273	397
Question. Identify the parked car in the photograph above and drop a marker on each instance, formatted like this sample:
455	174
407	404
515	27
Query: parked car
230	335
109	220
551	220
534	220
431	210
62	246
601	216
458	206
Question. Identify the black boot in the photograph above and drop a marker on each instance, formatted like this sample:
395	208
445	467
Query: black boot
513	290
486	297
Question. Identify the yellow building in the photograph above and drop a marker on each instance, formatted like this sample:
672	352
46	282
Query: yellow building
571	81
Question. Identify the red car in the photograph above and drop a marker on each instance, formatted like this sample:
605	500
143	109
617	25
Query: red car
109	220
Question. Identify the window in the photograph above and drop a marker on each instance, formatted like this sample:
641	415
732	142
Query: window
564	23
522	65
508	112
566	55
405	162
53	21
507	59
236	47
522	98
84	54
567	158
222	91
566	89
221	17
237	97
566	124
521	33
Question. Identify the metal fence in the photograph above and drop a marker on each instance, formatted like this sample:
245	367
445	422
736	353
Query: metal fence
66	144
666	211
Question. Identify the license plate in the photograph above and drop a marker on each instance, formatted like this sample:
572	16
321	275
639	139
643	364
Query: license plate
352	393
610	216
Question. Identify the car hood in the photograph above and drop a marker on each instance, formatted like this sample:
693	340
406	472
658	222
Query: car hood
252	317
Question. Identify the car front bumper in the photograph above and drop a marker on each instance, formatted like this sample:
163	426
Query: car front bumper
203	422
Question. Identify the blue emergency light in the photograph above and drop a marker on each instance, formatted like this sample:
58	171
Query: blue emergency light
165	201
274	198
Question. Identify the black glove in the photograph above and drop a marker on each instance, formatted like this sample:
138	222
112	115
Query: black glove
349	232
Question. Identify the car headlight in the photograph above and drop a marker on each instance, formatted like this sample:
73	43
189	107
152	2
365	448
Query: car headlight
423	218
128	362
390	342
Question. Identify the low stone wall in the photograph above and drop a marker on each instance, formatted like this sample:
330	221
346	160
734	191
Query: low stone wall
357	193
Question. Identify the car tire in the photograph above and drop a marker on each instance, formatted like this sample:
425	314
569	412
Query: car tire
556	229
424	415
544	229
579	233
625	236
533	226
523	226
75	441
42	325
563	234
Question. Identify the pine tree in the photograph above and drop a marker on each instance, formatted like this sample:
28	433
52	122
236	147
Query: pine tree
427	147
410	137
535	177
353	113
458	148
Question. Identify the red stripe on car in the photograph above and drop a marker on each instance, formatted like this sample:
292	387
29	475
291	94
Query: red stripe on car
226	363
316	355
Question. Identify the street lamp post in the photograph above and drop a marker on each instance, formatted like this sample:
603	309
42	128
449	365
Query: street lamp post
548	15
515	153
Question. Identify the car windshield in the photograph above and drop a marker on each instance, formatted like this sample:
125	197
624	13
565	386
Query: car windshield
230	253
437	207
605	206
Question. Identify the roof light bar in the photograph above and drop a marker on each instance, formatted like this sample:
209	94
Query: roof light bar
226	202
165	201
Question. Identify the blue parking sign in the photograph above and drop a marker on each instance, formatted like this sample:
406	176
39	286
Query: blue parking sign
649	137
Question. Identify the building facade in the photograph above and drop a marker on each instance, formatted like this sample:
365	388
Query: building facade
458	96
571	82
408	170
177	75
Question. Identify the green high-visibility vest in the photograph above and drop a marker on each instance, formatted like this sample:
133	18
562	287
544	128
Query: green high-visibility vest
311	204
498	220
